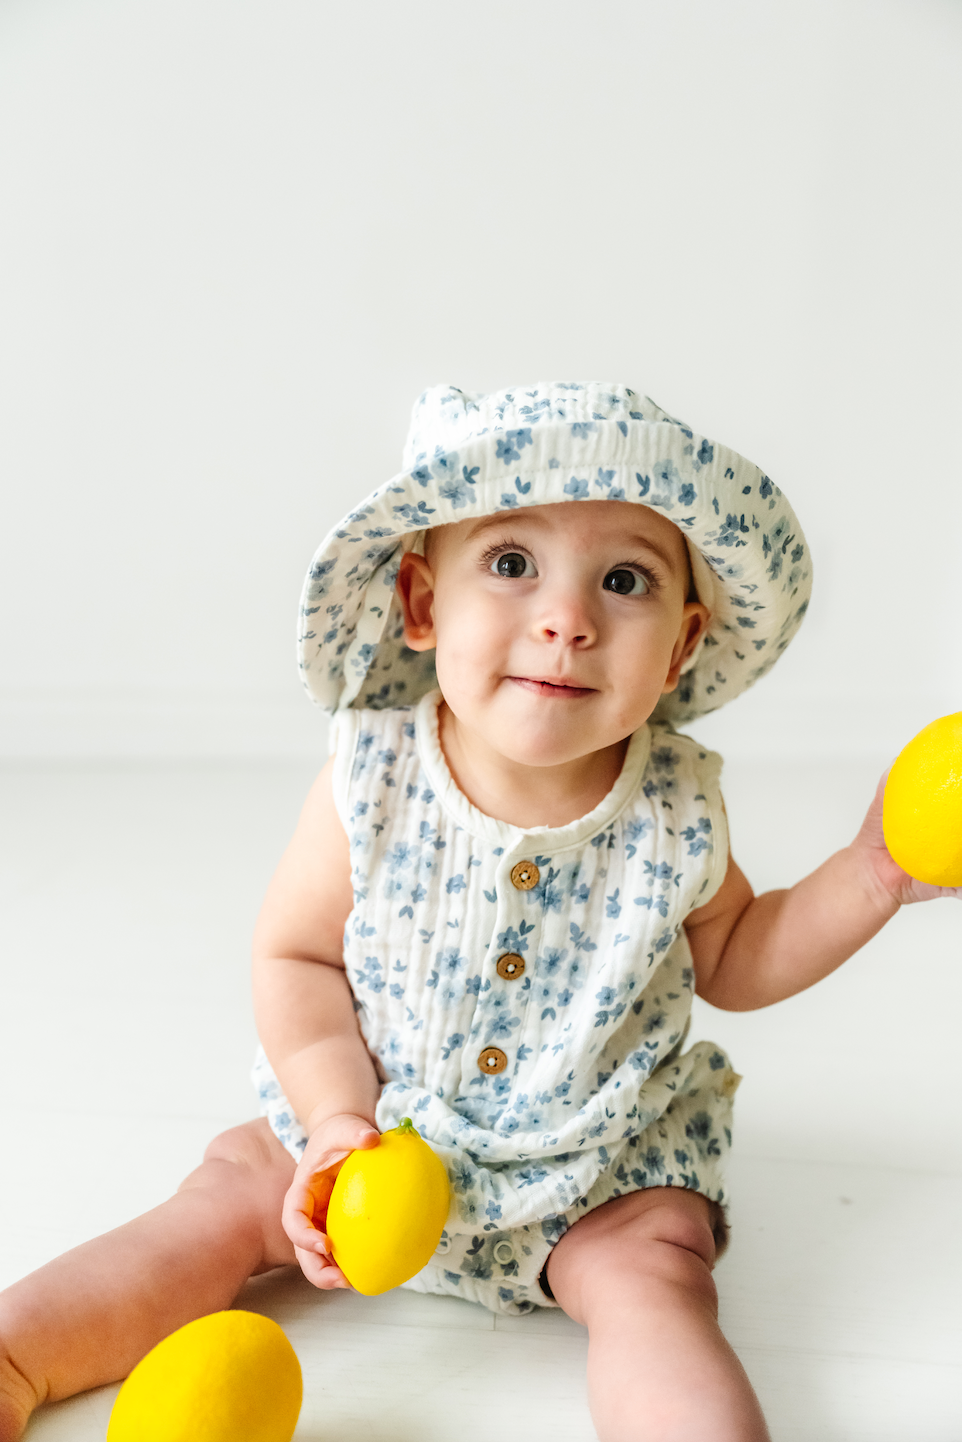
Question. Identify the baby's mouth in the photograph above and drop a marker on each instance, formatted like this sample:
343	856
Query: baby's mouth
561	690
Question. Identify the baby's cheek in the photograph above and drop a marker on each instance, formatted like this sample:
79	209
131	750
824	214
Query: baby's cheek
468	655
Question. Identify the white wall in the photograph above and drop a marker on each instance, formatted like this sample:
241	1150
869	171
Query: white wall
228	226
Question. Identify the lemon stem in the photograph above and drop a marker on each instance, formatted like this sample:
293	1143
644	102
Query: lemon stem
406	1125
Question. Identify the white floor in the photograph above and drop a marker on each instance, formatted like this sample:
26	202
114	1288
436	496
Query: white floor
125	1039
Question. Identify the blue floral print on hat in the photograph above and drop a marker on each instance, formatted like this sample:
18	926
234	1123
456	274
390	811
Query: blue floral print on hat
470	455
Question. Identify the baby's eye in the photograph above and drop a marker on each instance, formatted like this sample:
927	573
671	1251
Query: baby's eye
625	583
514	565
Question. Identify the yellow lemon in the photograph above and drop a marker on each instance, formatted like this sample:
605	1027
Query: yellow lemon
387	1211
922	808
230	1377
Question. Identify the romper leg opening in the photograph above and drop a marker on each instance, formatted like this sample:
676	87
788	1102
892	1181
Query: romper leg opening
721	1230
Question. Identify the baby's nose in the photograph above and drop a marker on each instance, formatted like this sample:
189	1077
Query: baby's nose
568	620
566	634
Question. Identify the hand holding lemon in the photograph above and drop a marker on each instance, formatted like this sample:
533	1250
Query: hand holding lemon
370	1218
387	1211
922	805
304	1216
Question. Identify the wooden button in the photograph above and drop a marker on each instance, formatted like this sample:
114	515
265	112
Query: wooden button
492	1060
525	875
510	966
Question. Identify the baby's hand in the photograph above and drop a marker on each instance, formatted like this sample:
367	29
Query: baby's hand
305	1206
884	870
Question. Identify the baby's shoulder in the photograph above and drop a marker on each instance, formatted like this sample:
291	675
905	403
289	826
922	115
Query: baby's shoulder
375	754
365	731
673	752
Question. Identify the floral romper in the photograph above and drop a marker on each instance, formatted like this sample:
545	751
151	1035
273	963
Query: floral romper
526	993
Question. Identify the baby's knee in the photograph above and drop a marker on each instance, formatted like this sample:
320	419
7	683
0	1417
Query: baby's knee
244	1159
660	1215
251	1145
680	1220
677	1262
246	1173
641	1244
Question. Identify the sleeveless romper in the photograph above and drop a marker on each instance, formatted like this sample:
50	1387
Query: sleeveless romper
526	993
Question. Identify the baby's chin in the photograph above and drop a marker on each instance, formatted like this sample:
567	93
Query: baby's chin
531	727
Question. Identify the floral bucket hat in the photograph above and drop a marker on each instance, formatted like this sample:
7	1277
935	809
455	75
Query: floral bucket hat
471	455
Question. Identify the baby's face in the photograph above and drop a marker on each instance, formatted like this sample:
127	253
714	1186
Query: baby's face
556	627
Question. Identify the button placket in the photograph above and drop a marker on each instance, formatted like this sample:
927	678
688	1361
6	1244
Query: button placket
524	875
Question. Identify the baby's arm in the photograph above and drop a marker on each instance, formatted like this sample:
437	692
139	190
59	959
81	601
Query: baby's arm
306	1019
749	951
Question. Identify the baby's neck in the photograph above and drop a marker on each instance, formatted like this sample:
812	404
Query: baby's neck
530	797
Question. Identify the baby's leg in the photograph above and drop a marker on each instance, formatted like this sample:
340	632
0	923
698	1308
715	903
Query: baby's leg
88	1317
637	1273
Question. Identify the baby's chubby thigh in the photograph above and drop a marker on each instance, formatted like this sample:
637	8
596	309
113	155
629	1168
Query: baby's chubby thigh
636	1251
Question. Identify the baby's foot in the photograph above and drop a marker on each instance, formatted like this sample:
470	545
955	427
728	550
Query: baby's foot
17	1399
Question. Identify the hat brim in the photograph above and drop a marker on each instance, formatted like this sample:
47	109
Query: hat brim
351	642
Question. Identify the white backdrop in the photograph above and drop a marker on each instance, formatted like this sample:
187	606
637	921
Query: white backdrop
226	224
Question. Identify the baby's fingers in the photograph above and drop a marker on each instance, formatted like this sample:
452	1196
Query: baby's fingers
297	1219
320	1270
303	1234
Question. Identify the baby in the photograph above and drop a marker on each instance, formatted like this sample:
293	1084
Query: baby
503	891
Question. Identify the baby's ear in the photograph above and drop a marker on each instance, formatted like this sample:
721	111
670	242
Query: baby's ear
696	619
415	588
